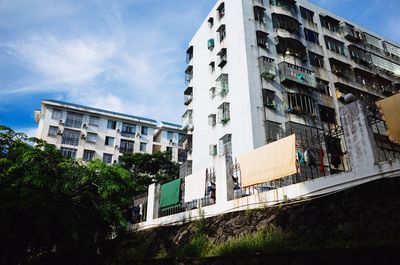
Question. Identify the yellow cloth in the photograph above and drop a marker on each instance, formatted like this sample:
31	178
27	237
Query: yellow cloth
195	186
390	110
272	161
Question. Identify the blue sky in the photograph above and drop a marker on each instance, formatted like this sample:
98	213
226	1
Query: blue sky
122	55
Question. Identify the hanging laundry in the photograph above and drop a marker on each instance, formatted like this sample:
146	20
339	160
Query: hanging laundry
321	160
335	159
300	156
309	158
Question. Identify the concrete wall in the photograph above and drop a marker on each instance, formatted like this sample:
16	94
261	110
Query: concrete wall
363	159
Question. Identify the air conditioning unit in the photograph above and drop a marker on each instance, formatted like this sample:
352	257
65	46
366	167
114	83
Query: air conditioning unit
61	122
59	132
84	126
116	146
83	137
138	134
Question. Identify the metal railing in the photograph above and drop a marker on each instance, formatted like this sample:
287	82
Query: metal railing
387	150
326	155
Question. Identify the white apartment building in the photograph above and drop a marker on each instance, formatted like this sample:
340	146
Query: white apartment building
262	69
88	133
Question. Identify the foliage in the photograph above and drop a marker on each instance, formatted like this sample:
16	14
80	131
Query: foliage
150	168
55	207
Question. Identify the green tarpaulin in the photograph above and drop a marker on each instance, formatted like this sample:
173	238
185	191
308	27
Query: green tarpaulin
170	193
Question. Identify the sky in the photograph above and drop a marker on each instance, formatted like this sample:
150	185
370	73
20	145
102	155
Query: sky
122	55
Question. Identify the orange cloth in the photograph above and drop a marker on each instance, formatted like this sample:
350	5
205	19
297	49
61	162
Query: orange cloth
272	161
390	110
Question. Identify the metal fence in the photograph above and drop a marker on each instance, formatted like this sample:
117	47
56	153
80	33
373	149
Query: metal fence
387	150
320	152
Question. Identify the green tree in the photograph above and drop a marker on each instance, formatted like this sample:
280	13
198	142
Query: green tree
52	208
150	168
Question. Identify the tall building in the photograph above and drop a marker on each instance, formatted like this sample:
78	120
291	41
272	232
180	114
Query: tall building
88	133
262	69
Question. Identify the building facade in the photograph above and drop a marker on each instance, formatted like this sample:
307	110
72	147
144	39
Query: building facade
87	133
262	69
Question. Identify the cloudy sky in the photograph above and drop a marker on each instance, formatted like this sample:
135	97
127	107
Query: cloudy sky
121	55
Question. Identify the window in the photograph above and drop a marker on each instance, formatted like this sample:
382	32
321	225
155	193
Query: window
71	137
273	131
221	11
359	55
259	14
307	14
330	23
170	135
224	113
109	141
316	60
269	98
311	36
111	125
323	87
74	120
52	131
143	147
128	130
144	130
225	145
211	22
222	32
300	104
126	146
88	155
68	152
181	136
222	85
262	39
289	5
212	120
189	54
188	75
211	92
169	149
94	121
335	45
212	67
213	150
223	57
107	158
91	138
211	44
327	115
57	114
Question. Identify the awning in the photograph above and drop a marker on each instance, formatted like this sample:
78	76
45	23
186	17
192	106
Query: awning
270	162
170	193
195	186
390	110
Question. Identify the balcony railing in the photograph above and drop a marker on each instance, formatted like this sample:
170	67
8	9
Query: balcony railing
290	73
187	122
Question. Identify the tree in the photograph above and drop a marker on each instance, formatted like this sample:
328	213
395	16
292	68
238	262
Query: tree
150	168
57	208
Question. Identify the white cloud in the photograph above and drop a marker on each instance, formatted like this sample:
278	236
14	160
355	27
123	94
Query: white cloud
64	60
30	132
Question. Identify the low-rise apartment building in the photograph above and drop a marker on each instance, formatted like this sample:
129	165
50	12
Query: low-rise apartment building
87	133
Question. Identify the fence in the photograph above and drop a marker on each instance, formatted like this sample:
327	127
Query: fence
387	150
320	152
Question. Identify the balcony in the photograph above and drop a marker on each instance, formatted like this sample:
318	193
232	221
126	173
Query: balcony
188	96
187	121
291	47
286	26
267	67
292	74
284	7
350	33
222	85
189	54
